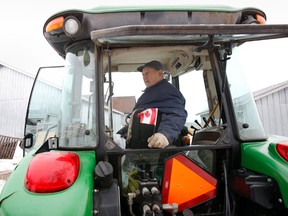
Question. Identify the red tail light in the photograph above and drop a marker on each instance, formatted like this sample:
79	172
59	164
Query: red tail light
282	149
52	171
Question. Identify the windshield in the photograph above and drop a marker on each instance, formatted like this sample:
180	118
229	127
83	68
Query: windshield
78	101
63	102
248	121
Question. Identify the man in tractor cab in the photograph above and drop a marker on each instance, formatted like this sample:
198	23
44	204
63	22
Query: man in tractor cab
168	100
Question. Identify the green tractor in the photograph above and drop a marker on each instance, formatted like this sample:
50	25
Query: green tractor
77	164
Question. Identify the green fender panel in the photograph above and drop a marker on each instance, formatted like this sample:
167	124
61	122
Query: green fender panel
77	200
263	158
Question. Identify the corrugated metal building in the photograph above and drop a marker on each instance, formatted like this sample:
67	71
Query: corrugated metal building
15	87
272	104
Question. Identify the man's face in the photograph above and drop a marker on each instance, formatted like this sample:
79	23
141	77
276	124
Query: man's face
151	76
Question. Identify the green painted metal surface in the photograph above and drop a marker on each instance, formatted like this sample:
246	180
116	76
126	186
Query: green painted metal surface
262	157
76	200
183	7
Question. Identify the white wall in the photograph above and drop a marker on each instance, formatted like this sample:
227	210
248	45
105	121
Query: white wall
15	87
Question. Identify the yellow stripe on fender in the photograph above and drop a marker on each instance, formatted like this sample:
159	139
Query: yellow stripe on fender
186	184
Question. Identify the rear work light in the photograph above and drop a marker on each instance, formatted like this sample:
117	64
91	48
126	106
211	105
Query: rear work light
71	26
52	171
282	149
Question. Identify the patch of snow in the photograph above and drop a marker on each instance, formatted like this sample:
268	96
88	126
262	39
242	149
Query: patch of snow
2	183
10	164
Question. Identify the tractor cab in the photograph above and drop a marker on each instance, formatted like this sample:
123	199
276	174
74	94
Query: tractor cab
75	114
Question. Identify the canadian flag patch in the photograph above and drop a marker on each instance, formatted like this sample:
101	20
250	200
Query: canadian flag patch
148	116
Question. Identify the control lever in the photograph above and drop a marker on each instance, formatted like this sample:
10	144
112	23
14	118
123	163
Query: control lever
206	122
193	127
213	122
198	123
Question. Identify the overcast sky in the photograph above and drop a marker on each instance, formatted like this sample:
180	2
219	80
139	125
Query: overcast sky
23	47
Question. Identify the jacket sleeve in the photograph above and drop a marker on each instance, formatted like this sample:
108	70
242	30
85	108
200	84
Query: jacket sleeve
173	116
172	123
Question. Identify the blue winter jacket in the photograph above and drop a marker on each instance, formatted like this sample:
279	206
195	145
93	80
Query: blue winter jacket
170	102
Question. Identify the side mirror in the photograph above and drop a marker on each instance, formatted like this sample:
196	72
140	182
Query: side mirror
28	140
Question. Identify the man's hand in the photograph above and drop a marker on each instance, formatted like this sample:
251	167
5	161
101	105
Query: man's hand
157	140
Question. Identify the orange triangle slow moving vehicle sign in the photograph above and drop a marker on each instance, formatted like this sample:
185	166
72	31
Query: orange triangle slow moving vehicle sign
186	184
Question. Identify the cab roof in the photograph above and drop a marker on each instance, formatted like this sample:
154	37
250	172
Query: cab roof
128	26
